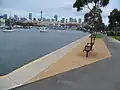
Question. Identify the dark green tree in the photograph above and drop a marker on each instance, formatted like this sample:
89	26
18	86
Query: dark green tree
80	4
114	19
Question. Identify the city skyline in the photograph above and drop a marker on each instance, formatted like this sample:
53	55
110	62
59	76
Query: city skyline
61	8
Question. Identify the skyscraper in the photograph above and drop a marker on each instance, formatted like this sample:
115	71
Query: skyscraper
15	17
75	20
41	12
5	16
63	20
79	20
66	20
30	16
70	19
56	17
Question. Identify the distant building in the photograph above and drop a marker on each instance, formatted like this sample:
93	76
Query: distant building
56	17
52	20
30	16
41	12
79	20
15	17
2	22
39	19
75	20
63	20
44	19
70	19
23	19
5	16
66	20
34	19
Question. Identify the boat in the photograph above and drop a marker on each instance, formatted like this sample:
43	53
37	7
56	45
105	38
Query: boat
8	29
43	29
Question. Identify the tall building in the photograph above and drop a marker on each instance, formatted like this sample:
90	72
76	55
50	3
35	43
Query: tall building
34	19
15	17
70	19
52	20
41	12
66	20
79	20
30	16
44	19
5	16
63	20
23	19
56	17
75	20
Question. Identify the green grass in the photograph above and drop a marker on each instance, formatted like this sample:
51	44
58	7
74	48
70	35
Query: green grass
98	36
116	37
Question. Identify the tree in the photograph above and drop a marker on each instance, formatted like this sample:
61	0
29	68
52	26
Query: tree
114	21
80	4
98	22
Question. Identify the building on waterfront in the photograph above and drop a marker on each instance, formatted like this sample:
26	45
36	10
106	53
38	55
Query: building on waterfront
56	17
39	19
41	13
44	19
75	20
63	20
5	16
66	20
34	19
30	16
70	19
23	19
15	17
79	20
52	20
2	21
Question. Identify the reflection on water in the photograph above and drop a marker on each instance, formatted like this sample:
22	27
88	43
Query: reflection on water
23	46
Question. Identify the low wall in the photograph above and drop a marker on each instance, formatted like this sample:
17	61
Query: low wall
28	71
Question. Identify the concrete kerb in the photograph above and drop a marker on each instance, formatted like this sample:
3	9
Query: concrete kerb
114	40
28	71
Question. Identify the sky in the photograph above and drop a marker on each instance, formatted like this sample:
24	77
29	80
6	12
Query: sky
63	8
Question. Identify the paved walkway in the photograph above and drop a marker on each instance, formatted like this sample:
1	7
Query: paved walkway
103	75
75	59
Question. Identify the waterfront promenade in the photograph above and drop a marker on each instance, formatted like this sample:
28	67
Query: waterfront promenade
57	64
102	75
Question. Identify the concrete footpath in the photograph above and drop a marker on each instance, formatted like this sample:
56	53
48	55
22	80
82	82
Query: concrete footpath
27	72
102	75
75	59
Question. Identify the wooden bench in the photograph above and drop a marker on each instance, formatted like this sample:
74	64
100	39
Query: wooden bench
89	46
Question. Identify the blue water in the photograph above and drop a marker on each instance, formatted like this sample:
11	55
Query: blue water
23	46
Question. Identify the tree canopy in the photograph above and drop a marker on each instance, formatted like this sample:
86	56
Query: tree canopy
94	16
114	18
80	4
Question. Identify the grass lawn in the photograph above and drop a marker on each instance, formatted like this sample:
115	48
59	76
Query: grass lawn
98	36
116	37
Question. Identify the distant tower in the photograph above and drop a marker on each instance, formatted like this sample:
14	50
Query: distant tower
56	17
66	20
30	16
41	14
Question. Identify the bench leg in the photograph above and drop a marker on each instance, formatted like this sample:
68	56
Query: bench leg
87	54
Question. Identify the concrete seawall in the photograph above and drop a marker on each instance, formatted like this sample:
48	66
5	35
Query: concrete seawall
28	71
